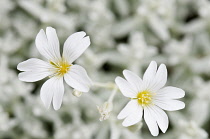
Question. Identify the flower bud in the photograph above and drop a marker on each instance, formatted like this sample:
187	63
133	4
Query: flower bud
105	110
77	93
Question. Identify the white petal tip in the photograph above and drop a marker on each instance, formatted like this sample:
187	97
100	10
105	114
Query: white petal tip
87	41
20	77
51	28
86	90
180	106
56	108
125	124
117	79
155	135
183	93
125	72
82	32
163	65
164	131
153	62
183	106
40	32
120	117
19	66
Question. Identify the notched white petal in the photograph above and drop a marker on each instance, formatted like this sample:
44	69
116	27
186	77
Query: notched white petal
160	78
150	73
125	87
33	64
75	45
48	48
52	89
53	42
42	44
170	105
151	122
58	93
78	79
134	117
160	117
133	79
46	93
170	92
130	107
32	76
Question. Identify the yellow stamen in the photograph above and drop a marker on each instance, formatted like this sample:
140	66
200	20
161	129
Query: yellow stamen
61	67
144	98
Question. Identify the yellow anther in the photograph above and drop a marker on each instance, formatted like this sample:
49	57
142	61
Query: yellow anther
144	98
61	67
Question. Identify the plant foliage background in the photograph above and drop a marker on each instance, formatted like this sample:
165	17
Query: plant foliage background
125	34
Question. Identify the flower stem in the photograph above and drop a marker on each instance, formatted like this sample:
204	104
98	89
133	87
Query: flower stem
105	85
111	97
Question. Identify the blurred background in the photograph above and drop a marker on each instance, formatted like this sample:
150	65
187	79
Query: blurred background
125	34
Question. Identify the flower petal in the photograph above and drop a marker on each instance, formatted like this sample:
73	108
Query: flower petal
150	121
58	93
75	45
36	70
48	45
125	88
169	105
170	92
53	42
134	117
128	109
32	76
149	74
33	64
53	86
133	79
78	79
160	116
160	78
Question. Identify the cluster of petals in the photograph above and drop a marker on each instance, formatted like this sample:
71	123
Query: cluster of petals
58	68
149	98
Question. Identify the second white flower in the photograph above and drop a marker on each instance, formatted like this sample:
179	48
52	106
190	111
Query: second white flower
149	96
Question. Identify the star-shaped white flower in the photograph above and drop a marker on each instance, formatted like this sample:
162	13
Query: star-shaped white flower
57	67
149	96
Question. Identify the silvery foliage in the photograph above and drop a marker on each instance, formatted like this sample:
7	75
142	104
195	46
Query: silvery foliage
124	35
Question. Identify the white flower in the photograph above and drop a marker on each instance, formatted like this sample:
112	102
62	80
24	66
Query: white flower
57	67
150	96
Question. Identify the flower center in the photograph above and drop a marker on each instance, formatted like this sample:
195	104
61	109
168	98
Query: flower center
144	98
61	68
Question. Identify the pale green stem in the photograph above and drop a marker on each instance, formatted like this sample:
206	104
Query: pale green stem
111	97
104	85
